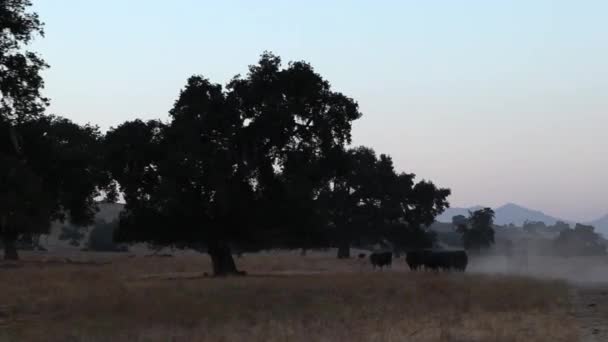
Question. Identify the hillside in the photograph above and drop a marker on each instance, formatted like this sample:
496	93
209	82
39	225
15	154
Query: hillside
513	213
506	214
516	214
601	225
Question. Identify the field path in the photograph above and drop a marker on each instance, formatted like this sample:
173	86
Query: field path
590	308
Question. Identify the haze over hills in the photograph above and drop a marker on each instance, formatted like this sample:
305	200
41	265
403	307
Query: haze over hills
506	214
601	225
516	214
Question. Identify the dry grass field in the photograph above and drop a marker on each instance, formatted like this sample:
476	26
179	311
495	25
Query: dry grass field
286	297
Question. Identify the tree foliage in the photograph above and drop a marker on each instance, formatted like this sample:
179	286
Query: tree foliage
262	163
477	231
58	176
49	166
580	241
20	80
538	228
233	166
368	201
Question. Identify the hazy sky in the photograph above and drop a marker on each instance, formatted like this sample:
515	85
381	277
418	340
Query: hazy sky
502	101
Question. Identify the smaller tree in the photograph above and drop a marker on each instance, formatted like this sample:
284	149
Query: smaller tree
534	227
412	209
369	202
580	241
459	220
477	232
52	173
560	226
349	201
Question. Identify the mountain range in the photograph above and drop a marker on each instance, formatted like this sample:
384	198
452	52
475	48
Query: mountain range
516	214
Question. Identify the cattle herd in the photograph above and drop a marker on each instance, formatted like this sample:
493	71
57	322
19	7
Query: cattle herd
381	259
432	260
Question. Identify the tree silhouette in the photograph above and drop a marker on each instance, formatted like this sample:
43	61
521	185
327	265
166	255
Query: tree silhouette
423	203
349	200
297	128
580	241
477	232
260	164
49	166
415	207
257	164
534	227
368	201
459	220
57	176
235	166
20	98
20	80
539	228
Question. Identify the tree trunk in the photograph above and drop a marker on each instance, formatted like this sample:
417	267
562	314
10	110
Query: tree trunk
10	247
344	250
222	261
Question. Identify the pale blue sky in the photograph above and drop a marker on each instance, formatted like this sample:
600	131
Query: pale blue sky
502	101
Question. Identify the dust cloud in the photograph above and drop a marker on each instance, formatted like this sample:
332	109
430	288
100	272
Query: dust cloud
580	270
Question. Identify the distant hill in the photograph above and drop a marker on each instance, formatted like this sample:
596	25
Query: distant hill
601	225
513	213
507	214
516	214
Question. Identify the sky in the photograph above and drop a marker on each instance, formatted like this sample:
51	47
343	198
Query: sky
501	101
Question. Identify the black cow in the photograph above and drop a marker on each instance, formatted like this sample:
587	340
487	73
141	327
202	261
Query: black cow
458	260
416	259
437	260
381	259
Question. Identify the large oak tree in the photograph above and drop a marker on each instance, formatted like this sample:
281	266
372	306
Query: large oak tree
236	166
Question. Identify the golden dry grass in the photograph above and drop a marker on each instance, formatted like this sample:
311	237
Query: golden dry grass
285	298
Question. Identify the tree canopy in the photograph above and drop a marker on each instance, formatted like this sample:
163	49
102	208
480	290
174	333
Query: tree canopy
20	80
57	176
49	166
477	231
261	163
582	240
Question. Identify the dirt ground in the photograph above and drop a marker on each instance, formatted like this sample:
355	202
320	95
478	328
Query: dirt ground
590	308
285	297
587	278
